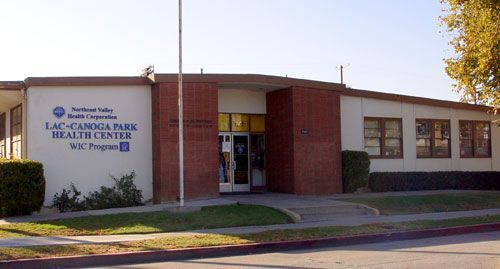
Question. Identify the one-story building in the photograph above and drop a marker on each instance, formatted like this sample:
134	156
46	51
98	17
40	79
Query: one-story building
242	133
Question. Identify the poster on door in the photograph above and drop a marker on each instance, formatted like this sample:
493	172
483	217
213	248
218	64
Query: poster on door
240	148
226	146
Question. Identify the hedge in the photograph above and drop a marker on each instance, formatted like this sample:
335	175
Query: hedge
416	181
22	187
355	170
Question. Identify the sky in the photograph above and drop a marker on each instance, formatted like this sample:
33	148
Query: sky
392	46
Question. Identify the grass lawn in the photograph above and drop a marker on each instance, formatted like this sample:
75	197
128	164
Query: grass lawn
414	204
205	240
151	222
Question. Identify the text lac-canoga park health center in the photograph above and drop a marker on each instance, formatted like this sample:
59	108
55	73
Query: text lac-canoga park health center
242	132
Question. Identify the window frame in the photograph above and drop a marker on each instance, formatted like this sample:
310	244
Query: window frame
3	127
473	126
381	122
433	138
228	122
249	115
12	123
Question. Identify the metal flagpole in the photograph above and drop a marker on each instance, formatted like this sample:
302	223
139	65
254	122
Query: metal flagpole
181	116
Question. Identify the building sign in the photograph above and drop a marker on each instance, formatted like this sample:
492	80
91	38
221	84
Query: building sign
91	128
192	123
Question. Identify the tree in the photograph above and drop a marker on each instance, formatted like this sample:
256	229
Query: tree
475	29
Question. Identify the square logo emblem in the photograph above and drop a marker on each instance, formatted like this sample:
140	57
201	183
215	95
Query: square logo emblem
124	147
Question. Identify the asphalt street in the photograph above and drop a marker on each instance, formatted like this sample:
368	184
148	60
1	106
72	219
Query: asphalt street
480	250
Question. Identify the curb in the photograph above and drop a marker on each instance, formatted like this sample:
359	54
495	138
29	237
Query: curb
296	218
370	210
231	250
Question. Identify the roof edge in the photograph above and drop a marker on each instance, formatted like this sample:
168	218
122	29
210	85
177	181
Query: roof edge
12	85
86	81
232	78
249	78
414	99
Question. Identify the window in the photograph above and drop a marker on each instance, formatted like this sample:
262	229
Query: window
239	122
383	137
224	122
253	123
16	129
433	138
3	153
475	139
257	123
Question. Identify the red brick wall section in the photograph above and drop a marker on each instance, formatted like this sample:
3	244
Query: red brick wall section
156	126
317	147
200	141
303	141
279	141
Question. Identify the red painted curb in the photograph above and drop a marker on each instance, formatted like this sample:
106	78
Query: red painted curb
193	253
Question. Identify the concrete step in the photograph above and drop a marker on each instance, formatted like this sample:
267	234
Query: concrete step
332	212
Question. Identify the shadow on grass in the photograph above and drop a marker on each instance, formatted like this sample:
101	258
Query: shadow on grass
206	240
15	231
67	250
152	222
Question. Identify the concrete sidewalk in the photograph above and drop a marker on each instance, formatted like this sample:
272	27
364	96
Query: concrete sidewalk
302	208
275	200
347	221
306	208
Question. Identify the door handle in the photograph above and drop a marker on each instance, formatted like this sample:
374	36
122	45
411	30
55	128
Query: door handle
234	165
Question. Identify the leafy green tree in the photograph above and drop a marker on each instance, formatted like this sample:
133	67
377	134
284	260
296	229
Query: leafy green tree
475	29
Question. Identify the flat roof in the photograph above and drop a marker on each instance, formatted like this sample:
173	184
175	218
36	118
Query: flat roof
11	85
413	99
250	79
86	81
233	79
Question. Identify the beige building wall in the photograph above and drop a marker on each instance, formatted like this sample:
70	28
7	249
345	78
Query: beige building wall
354	109
89	168
242	101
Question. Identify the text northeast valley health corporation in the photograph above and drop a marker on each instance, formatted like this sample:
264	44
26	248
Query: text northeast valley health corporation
75	130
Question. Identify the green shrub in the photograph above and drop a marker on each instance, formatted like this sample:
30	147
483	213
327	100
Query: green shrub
68	200
123	194
416	181
22	187
355	170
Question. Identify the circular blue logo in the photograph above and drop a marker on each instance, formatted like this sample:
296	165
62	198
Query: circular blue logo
58	112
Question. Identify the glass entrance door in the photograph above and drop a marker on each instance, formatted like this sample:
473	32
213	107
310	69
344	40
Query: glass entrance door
234	162
240	163
225	160
257	162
